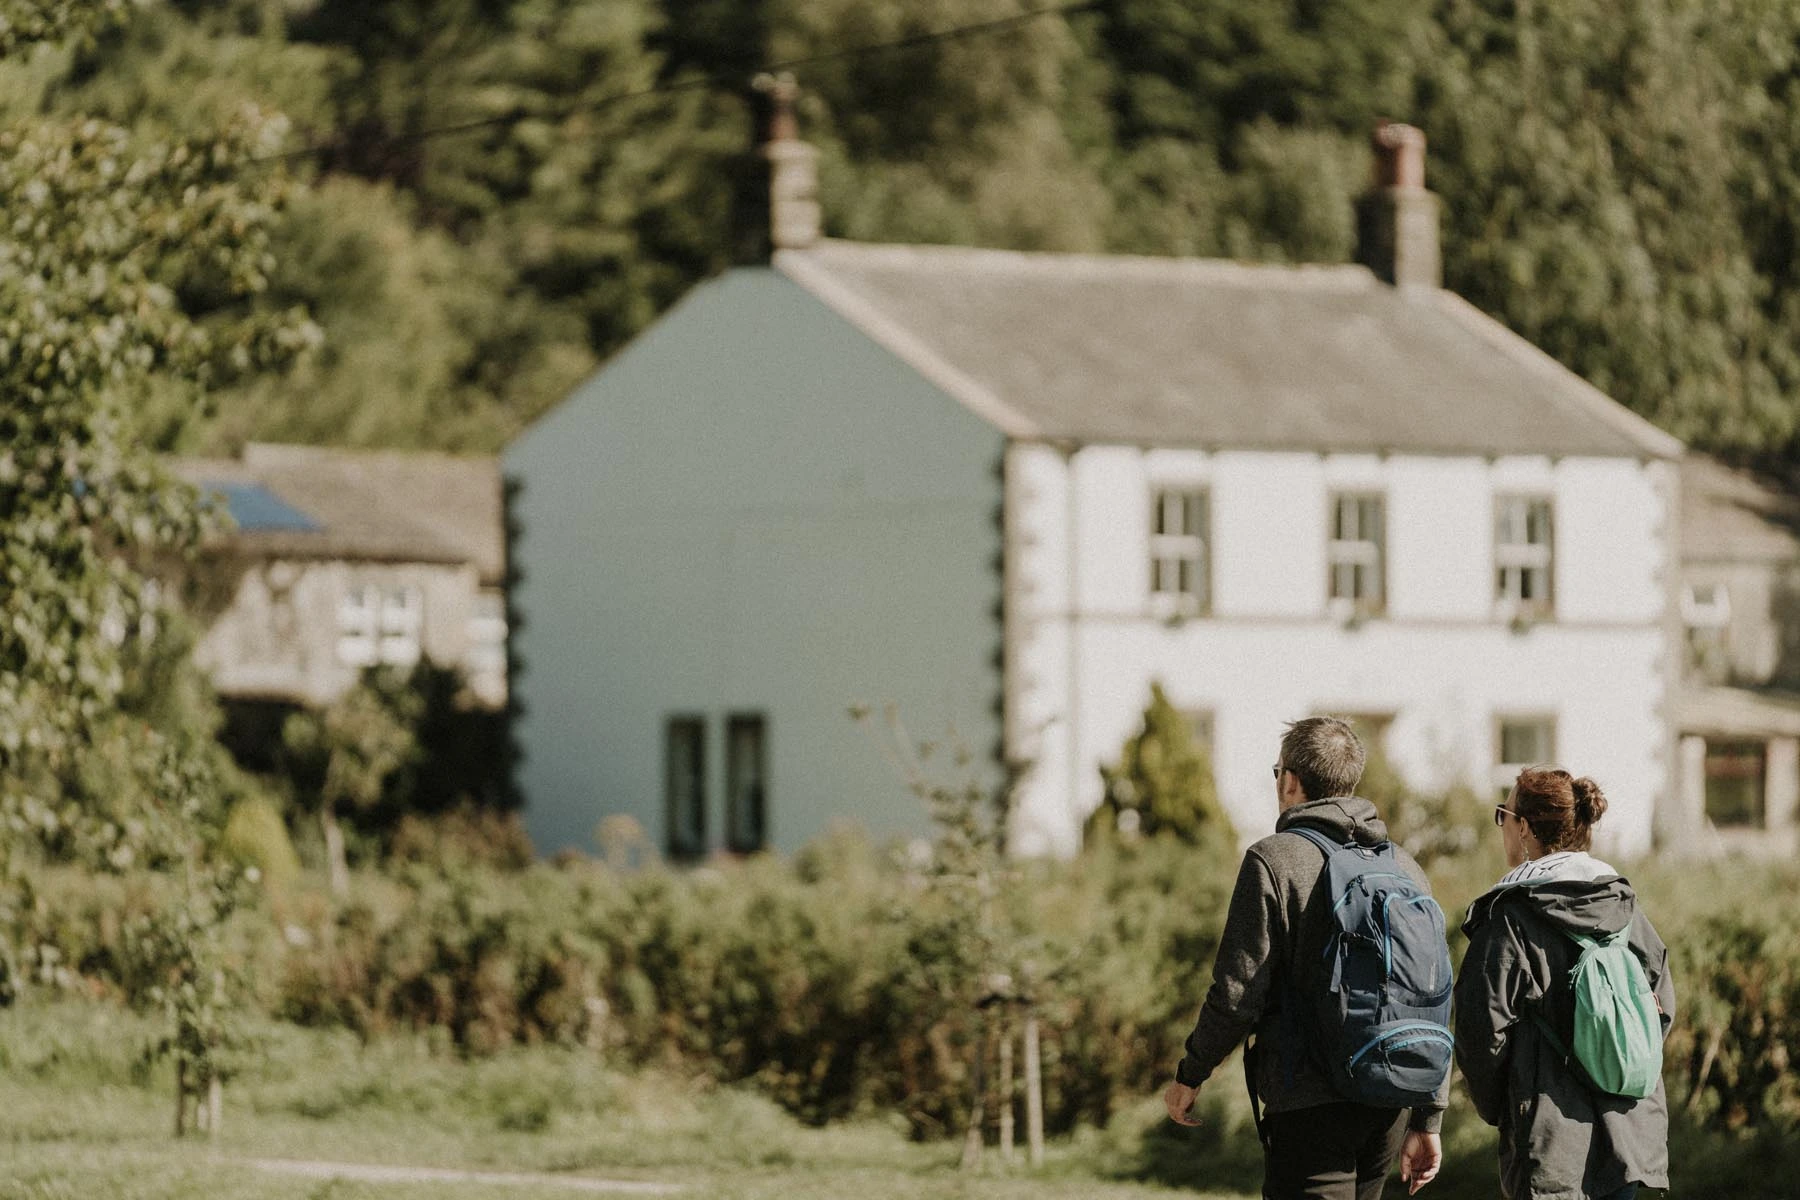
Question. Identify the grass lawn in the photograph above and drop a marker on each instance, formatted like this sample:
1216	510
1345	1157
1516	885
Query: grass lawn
82	1118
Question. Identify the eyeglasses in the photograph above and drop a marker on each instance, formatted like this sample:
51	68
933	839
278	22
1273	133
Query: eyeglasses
1501	812
1277	769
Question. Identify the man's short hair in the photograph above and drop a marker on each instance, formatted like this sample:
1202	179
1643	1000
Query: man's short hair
1325	754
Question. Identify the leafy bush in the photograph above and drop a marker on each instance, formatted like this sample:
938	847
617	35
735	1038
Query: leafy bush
256	836
1162	785
813	979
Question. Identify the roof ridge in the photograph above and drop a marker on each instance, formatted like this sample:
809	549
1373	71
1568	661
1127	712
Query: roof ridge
264	453
1337	276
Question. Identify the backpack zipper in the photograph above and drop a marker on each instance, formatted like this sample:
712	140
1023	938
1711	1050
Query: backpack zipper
1431	1033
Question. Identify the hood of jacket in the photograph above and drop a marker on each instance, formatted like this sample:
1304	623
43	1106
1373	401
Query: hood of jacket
1589	907
1343	818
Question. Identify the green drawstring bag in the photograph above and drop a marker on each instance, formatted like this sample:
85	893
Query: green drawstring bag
1618	1040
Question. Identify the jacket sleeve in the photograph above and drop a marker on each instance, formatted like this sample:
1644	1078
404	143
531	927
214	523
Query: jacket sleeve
1487	1006
1242	974
1655	956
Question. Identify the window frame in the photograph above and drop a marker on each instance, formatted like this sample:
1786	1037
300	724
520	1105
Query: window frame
675	844
486	633
401	625
1706	630
1190	548
1505	772
358	642
734	783
1758	818
1342	553
1525	558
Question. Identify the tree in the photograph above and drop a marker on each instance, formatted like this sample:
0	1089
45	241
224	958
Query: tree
353	748
1163	785
128	269
980	953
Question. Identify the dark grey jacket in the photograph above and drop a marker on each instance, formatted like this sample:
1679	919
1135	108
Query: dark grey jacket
1278	919
1559	1139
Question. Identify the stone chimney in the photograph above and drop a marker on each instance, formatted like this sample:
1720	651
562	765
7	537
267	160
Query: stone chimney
778	197
1397	219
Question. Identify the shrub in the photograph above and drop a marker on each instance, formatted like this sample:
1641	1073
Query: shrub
812	979
1163	784
256	836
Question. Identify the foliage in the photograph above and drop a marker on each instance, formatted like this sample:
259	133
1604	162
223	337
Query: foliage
1738	979
129	270
345	756
1618	181
1163	785
409	764
102	238
255	836
1452	827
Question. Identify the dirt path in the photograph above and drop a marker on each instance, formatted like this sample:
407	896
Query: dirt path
370	1173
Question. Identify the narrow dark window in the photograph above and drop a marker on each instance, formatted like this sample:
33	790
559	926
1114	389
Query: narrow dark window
684	786
746	783
1734	783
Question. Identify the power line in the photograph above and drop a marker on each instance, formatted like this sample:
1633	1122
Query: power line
711	82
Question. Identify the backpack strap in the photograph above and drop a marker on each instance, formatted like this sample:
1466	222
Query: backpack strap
1560	1048
1556	1044
1290	1004
1318	839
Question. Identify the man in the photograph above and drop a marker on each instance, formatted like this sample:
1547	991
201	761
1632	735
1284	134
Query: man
1317	1145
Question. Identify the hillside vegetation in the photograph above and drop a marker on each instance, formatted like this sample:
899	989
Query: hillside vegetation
1620	176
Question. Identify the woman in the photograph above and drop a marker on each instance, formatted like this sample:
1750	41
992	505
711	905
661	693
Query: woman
1560	1137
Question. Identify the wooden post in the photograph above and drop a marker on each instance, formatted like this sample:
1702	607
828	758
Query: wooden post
1034	1091
215	1106
1006	1092
181	1094
335	862
973	1137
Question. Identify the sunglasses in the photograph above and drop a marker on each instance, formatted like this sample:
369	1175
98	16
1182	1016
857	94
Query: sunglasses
1501	812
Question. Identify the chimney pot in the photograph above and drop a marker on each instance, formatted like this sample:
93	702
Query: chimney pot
1397	218
778	201
1399	156
782	125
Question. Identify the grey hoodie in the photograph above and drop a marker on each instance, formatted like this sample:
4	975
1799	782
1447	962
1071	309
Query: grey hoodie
1559	1139
1277	920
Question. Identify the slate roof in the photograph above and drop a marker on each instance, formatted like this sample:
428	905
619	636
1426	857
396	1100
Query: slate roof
1197	352
1728	515
1729	712
366	505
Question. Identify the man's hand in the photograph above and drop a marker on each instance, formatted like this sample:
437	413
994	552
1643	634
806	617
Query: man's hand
1420	1157
1178	1099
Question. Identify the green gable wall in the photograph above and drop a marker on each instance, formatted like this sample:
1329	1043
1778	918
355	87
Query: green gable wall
752	508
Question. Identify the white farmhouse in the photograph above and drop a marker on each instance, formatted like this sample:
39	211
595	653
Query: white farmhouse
1009	491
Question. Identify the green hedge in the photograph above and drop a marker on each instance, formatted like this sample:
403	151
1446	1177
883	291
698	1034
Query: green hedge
816	979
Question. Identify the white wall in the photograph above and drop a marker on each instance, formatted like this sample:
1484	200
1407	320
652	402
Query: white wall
1442	659
276	633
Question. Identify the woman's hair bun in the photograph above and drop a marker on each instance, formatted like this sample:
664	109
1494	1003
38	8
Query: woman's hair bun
1590	801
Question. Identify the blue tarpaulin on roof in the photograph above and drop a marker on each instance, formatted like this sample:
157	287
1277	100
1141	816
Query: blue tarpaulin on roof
256	508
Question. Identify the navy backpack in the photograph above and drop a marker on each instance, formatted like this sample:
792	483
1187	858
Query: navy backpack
1378	1020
